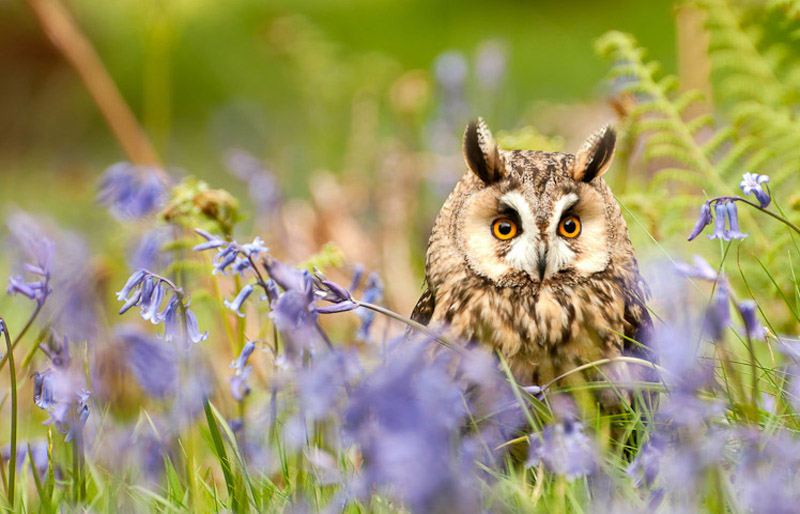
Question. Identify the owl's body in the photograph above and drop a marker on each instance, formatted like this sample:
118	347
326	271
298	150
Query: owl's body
530	255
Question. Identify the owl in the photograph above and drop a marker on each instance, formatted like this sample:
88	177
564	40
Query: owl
531	256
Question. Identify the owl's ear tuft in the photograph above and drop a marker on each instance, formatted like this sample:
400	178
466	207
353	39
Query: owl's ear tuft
481	152
594	157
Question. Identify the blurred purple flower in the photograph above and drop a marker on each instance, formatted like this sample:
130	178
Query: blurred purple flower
490	65
42	253
718	315
644	468
323	384
69	283
62	394
404	416
236	304
239	386
131	191
262	186
289	277
751	183
148	253
296	316
154	364
765	478
699	269
241	361
58	353
748	310
565	449
702	221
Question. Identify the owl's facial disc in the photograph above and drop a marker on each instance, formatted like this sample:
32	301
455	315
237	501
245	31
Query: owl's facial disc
508	233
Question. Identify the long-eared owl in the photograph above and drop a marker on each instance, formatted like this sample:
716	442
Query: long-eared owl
530	255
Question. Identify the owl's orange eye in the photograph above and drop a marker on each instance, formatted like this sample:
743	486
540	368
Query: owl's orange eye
570	227
504	228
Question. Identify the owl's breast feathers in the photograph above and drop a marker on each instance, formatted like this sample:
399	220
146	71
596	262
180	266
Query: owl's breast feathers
545	331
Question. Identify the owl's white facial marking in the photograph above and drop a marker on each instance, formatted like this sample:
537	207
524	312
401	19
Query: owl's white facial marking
526	247
538	246
540	255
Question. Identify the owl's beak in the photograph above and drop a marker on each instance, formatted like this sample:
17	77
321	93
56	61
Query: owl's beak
541	261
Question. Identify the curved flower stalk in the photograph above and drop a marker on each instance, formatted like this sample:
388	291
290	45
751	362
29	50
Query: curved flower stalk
726	216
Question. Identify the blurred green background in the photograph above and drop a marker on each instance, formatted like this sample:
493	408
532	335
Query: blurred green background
282	79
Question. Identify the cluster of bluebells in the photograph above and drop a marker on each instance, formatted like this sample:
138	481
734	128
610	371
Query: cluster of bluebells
61	390
131	191
725	214
148	291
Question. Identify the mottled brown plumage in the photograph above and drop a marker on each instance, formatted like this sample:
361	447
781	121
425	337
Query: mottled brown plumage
547	302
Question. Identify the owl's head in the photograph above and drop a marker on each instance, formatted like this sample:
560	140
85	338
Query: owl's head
525	216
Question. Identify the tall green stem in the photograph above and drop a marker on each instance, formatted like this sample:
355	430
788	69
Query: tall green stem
12	460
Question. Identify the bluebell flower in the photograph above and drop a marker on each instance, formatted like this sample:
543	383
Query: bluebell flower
154	364
211	241
239	386
296	317
148	251
131	191
322	386
699	269
644	468
43	394
241	361
702	221
42	252
733	219
224	258
131	301
134	281
192	329
332	292
720	229
288	277
57	353
148	290
718	316
565	449
751	183
171	319
404	417
236	304
254	249
151	307
748	310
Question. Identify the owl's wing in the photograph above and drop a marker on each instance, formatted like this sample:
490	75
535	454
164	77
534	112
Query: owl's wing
638	324
424	309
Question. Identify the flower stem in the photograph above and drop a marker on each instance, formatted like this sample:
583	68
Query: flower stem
22	333
776	216
12	460
411	323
